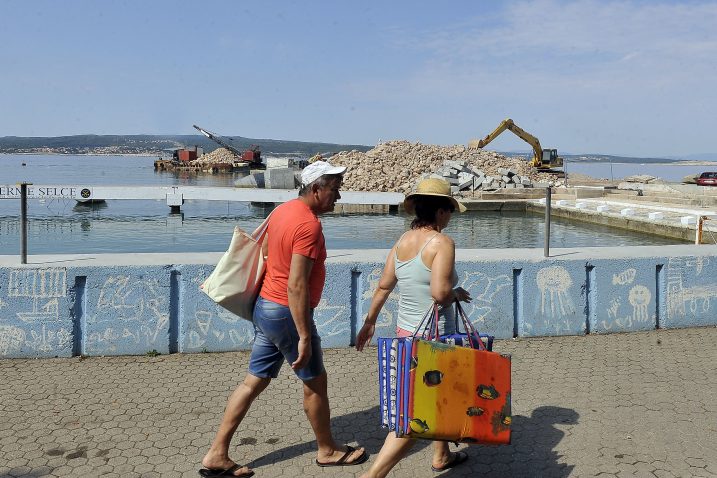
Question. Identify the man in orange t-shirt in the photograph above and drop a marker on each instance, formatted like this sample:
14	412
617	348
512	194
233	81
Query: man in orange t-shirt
284	324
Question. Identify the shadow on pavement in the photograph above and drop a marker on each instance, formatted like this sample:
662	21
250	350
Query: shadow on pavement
531	452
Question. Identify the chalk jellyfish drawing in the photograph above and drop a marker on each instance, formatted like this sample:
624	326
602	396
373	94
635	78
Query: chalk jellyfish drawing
554	283
639	297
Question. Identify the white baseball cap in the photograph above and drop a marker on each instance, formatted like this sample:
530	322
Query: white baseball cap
315	170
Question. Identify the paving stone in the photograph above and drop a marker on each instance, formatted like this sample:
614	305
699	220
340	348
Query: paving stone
583	406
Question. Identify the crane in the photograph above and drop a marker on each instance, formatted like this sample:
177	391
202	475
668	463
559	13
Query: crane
252	155
543	159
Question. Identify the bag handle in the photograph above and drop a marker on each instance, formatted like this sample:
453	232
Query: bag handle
427	322
470	330
260	232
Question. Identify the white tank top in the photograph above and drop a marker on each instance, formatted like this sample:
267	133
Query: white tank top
414	286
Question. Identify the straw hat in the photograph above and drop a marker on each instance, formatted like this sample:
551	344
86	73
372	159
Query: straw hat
431	187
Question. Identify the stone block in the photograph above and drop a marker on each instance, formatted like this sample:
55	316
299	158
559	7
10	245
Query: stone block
506	179
279	178
562	202
279	163
254	180
465	184
602	208
628	211
656	216
581	205
687	220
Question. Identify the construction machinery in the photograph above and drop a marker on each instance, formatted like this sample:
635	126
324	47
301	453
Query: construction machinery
543	159
251	156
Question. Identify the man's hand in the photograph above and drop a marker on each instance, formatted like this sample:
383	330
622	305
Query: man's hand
304	354
364	336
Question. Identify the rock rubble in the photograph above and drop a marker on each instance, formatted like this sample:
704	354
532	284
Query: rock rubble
397	166
218	156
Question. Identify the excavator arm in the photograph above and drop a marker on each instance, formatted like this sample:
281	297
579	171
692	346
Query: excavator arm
519	132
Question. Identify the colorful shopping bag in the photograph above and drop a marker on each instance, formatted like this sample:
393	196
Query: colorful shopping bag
443	391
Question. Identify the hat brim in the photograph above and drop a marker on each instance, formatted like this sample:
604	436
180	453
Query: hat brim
410	208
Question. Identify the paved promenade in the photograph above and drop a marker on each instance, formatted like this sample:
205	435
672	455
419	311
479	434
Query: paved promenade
639	404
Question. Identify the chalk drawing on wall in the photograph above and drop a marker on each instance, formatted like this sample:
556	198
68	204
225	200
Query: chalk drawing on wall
483	289
554	283
11	339
639	298
137	307
242	334
386	316
49	340
626	277
682	300
44	287
334	320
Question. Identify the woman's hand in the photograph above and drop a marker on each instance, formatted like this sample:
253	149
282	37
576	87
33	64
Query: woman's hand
364	336
462	295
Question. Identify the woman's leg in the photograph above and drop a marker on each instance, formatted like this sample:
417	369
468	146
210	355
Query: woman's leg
392	451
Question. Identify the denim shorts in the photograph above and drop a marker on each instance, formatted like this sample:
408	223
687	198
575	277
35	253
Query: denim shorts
277	340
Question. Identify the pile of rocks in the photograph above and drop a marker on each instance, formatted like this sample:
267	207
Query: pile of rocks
463	177
218	156
397	166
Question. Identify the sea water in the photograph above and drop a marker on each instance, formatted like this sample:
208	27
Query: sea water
62	226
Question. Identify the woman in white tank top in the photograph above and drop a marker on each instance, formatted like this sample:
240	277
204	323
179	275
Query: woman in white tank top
422	264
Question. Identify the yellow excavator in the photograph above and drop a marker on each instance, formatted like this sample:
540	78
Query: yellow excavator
543	159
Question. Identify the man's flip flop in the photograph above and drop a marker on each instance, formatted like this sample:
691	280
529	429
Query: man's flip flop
342	461
210	473
456	459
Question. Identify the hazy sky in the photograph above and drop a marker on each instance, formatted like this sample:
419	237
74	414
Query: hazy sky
636	78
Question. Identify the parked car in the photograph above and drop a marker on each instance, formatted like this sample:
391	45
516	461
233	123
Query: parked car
707	179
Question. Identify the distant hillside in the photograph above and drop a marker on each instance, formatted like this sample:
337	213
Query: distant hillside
606	158
154	144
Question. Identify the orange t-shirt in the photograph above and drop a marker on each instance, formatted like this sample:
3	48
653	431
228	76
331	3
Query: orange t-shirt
293	229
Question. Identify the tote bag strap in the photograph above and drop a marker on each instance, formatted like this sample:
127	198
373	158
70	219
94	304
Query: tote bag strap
470	330
260	232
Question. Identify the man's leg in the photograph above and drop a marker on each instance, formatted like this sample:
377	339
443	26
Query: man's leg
316	406
237	406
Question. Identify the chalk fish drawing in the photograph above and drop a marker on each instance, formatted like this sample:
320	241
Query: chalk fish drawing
554	283
626	277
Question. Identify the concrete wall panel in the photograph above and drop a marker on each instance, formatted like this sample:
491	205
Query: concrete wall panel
691	284
35	312
127	310
554	299
204	326
626	296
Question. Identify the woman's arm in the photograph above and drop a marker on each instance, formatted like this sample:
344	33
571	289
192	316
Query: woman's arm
385	286
442	270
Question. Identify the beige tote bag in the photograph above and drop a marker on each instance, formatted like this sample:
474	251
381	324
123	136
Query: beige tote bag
237	278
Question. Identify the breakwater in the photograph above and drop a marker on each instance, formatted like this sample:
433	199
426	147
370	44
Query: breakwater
133	304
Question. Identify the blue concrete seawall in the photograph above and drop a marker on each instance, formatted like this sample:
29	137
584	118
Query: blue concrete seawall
131	304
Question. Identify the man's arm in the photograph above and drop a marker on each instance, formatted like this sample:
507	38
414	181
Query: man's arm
298	292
